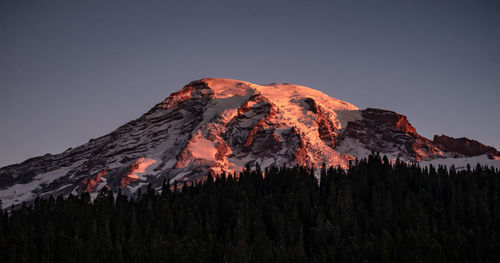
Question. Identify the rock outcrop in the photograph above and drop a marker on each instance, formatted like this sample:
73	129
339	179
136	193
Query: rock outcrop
387	132
464	146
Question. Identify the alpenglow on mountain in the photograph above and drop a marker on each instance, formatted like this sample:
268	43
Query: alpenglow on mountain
220	125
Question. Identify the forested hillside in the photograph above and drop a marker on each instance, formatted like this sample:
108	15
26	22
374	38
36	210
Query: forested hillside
373	212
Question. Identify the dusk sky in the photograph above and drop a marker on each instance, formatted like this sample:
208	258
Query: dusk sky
75	70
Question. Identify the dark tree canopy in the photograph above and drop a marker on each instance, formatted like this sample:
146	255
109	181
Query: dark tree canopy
373	212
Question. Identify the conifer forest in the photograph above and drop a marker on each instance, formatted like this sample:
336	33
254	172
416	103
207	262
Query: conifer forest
374	211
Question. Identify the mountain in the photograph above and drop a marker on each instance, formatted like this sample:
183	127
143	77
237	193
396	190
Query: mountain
220	125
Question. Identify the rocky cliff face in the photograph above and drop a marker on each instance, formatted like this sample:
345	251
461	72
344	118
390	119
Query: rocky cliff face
388	133
464	146
219	125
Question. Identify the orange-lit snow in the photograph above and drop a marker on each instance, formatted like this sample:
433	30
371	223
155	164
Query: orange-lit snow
224	88
142	164
229	95
139	167
203	149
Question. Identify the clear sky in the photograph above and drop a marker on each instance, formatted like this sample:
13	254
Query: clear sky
75	70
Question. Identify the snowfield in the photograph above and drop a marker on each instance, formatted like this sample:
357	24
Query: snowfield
461	163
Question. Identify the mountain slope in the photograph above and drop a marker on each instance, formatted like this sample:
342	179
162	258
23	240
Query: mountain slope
216	125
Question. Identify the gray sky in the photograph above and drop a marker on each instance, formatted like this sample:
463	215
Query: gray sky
71	71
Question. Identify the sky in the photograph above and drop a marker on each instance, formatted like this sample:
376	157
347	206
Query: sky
75	70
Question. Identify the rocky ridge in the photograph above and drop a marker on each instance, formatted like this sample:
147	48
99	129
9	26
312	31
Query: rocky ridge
220	125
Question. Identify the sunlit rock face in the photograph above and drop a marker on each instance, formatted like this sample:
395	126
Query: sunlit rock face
215	126
389	133
271	124
464	146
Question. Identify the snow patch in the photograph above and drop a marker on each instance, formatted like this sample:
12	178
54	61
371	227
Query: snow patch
133	189
137	171
203	149
140	168
170	163
179	176
461	163
224	88
18	193
353	147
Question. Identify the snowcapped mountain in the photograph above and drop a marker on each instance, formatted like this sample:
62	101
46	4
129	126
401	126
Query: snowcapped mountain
216	125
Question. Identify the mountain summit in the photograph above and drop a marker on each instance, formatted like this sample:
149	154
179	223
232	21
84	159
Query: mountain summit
221	125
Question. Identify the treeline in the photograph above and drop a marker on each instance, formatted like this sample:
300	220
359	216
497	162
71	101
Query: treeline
373	212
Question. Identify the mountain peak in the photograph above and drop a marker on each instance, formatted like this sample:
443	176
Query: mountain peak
216	125
223	88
